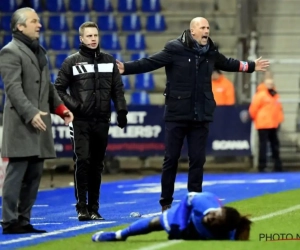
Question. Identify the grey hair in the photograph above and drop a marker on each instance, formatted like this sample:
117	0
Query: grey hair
19	17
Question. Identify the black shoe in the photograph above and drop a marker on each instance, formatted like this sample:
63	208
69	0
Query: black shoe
82	212
30	229
18	229
96	216
15	228
164	208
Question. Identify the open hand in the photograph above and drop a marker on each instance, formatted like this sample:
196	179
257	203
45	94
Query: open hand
261	65
37	121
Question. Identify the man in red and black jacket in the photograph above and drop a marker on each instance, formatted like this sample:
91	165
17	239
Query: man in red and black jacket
93	80
189	102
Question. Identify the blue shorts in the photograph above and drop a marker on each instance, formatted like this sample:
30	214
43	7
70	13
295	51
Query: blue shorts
166	218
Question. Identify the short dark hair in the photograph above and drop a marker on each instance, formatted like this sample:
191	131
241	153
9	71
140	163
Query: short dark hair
87	25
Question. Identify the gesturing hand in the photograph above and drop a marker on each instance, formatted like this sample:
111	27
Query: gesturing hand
37	121
261	65
120	66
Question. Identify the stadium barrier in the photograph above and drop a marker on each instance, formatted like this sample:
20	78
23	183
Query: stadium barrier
144	135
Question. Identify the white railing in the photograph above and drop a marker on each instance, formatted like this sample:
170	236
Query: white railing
252	55
253	83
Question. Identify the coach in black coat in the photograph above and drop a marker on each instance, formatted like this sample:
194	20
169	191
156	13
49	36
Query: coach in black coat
189	102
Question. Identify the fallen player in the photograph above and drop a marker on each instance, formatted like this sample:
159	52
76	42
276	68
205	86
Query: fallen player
199	216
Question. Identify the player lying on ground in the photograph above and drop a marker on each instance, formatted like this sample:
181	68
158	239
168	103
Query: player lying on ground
199	216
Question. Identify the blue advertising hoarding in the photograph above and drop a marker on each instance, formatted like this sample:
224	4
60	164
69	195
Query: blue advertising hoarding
144	135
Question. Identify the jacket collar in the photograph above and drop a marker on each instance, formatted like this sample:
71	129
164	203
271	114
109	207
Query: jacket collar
87	52
27	51
187	40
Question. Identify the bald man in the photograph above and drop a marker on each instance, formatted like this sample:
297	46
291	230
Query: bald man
189	102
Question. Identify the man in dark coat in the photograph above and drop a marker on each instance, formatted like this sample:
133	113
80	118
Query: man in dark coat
189	102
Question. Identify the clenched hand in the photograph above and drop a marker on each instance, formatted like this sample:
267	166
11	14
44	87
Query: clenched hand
68	117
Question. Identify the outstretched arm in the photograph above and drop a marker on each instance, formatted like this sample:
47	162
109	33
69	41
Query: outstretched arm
234	65
151	63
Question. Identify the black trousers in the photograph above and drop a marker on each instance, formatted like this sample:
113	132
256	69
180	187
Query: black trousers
175	132
89	139
265	136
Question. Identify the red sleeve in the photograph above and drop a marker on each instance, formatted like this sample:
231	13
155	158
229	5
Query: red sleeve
60	110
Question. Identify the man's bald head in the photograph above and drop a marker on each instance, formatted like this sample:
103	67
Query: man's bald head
196	21
199	27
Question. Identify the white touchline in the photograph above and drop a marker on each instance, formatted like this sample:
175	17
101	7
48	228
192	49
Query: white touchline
280	212
37	236
47	223
125	202
263	217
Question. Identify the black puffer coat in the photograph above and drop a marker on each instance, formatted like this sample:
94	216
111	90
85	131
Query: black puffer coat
93	80
189	95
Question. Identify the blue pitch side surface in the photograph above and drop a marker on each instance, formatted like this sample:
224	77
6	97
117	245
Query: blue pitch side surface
54	209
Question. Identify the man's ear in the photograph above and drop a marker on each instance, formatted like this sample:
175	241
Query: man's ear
20	27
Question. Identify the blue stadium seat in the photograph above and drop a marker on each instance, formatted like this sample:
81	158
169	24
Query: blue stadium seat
53	77
6	39
117	55
5	23
49	62
140	98
79	6
156	22
36	5
110	42
151	6
131	23
144	82
126	82
8	5
127	6
42	23
43	41
139	55
55	6
58	23
1	83
76	42
136	42
102	6
80	19
107	23
59	59
59	42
